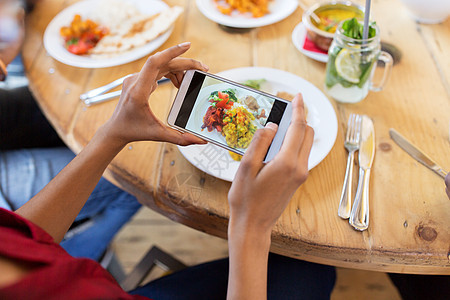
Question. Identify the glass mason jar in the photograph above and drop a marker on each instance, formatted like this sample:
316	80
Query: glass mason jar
350	66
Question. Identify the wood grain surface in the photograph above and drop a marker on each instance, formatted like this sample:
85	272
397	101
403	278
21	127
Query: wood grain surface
409	229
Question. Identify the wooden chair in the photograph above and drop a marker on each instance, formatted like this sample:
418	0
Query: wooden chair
154	257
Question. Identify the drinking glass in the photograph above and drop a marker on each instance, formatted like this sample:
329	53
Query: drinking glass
350	66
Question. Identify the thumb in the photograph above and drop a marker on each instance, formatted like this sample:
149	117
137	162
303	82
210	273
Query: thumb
259	146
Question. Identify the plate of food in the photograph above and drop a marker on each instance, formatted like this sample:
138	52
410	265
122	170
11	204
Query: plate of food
223	164
102	33
229	115
246	13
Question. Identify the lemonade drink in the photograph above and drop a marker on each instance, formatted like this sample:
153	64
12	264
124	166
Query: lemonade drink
351	64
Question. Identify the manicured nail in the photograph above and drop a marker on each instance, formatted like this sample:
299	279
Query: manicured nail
184	45
271	126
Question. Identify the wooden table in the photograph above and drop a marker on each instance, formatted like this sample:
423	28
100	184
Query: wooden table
409	228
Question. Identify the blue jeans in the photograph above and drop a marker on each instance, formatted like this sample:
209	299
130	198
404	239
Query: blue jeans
23	173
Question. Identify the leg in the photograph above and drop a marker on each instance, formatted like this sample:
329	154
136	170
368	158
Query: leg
22	124
416	287
297	279
287	279
23	173
109	208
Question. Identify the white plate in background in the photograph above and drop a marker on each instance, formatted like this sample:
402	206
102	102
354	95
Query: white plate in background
54	43
279	10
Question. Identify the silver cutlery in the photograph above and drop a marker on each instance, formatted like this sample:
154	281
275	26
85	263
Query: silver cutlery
98	95
102	98
359	216
416	153
351	143
103	89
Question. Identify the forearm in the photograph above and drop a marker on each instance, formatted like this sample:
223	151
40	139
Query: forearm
248	251
56	206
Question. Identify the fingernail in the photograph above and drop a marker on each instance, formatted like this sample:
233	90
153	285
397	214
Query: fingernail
184	45
205	66
271	126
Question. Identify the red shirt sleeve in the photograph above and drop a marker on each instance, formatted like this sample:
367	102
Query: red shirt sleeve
56	274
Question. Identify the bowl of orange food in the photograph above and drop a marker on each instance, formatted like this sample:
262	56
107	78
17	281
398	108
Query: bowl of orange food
321	20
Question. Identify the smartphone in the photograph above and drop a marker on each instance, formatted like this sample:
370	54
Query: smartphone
227	113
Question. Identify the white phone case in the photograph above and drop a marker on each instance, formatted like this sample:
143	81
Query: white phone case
180	98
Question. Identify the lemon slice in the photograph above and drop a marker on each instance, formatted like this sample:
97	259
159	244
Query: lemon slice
347	65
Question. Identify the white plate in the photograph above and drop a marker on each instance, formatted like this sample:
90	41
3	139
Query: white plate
54	43
321	116
298	38
279	9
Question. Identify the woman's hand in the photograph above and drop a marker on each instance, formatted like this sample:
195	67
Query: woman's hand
133	119
259	194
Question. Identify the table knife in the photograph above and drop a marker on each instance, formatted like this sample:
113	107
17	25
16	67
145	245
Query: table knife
359	216
98	95
416	153
103	89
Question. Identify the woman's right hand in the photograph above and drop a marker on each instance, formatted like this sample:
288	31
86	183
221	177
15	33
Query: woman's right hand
258	196
260	192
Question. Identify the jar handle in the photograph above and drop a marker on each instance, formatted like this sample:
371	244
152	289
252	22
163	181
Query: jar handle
388	63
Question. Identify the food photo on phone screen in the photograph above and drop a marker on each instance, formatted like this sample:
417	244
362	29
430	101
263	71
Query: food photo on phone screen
226	113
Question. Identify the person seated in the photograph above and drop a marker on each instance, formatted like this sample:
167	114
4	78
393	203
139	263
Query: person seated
31	153
22	124
34	266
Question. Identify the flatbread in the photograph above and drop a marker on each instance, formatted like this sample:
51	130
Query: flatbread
135	31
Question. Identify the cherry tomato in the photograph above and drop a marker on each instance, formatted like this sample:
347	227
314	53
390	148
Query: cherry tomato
223	96
79	48
224	104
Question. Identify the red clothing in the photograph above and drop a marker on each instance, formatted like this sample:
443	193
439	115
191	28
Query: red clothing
57	275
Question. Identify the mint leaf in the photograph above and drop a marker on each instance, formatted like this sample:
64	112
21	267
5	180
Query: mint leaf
353	29
72	41
366	70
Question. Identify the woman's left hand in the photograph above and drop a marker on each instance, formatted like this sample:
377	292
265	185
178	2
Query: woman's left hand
133	120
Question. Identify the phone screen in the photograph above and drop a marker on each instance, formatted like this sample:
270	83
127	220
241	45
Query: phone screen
226	113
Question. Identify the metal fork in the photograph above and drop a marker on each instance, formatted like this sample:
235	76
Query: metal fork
352	140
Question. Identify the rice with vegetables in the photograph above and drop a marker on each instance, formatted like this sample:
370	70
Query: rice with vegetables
239	129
